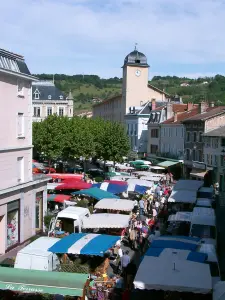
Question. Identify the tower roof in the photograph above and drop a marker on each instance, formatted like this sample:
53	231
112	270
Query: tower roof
136	58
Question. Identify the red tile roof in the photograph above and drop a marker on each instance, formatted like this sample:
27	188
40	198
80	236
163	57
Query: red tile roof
182	116
209	113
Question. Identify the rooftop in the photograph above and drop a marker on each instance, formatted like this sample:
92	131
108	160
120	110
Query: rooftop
182	116
46	90
13	62
216	132
209	113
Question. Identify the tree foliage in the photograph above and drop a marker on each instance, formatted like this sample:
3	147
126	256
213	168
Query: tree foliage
61	137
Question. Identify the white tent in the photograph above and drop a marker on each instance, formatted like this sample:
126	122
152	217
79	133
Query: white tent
180	216
183	196
140	182
115	204
173	275
106	221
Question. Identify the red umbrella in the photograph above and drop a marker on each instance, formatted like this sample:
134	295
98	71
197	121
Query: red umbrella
116	182
58	198
74	185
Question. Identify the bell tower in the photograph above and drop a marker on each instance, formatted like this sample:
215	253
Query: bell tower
135	79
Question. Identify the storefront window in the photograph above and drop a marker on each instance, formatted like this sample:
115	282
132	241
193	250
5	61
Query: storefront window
13	223
39	210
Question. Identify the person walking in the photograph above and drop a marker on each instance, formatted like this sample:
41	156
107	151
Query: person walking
125	260
141	206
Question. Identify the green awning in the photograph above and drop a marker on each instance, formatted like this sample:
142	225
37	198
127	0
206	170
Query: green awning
167	163
30	281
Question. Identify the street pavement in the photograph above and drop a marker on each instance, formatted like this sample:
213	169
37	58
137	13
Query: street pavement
220	215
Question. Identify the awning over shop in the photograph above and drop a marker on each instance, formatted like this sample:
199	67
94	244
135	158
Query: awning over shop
96	193
176	242
30	281
198	173
74	185
85	244
166	164
58	198
111	187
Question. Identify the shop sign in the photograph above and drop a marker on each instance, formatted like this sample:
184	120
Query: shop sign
23	288
197	165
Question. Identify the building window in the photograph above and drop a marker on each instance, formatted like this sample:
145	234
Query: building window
61	97
200	136
39	210
195	136
20	88
222	142
200	155
154	133
193	154
188	154
182	132
188	136
13	223
20	169
61	111
49	111
215	143
20	125
222	160
37	111
49	97
154	149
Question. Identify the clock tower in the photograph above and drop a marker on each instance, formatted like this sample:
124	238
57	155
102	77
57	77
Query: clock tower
135	89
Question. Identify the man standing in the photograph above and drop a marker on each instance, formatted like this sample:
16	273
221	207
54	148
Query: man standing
125	260
141	206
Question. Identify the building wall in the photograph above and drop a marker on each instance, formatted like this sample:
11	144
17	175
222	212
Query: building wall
152	94
12	145
214	123
153	141
110	110
172	139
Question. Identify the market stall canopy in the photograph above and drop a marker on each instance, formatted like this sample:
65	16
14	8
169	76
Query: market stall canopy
180	216
183	196
30	281
65	176
111	188
198	173
139	189
191	185
106	221
173	275
95	193
113	174
167	164
85	244
58	198
176	242
115	204
140	182
219	291
74	185
170	254
52	186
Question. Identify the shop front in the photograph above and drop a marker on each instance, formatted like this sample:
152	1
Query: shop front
13	223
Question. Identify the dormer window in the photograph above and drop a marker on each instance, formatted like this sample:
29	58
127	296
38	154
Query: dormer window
61	97
137	61
36	94
49	97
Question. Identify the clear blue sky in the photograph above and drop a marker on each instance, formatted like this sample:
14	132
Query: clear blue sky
179	37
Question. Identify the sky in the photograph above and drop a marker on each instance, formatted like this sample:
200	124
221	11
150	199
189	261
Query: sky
179	37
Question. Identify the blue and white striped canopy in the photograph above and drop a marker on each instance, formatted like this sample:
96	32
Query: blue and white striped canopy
169	254
118	188
176	242
85	244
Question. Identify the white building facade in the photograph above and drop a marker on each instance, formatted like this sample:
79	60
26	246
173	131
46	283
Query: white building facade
48	100
23	198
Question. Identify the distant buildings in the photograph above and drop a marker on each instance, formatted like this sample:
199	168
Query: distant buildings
23	197
48	100
135	90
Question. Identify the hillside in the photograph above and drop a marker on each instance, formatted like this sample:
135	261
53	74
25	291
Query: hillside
86	87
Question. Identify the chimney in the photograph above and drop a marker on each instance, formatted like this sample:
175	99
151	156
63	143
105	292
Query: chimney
212	104
153	104
169	110
175	117
202	107
189	106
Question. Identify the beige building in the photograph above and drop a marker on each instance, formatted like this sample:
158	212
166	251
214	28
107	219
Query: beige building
135	90
47	100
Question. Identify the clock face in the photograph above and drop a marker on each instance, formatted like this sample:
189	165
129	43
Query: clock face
137	72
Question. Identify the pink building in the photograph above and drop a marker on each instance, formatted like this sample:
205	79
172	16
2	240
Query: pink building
23	197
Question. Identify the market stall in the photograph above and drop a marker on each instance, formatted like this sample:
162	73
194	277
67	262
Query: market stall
173	275
74	185
111	187
96	193
176	242
41	282
115	205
